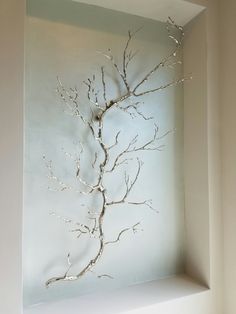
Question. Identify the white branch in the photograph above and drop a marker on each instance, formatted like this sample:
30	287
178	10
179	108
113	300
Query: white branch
129	185
134	228
147	203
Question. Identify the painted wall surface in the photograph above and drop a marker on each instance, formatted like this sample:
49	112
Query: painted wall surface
11	153
65	43
228	149
11	33
209	303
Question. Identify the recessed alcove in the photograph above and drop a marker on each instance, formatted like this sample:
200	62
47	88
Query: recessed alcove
51	34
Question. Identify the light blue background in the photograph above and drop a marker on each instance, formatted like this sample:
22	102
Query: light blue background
62	38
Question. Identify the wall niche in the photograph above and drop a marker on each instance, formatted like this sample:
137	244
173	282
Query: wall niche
67	53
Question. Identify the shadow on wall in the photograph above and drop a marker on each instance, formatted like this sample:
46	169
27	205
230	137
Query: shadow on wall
100	19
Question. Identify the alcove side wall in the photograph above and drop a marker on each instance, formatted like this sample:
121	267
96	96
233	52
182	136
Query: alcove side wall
228	147
11	153
211	302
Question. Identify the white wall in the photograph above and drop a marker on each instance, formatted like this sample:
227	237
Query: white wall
11	152
210	303
228	149
11	32
70	51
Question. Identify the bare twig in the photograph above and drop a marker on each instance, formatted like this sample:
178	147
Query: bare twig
129	185
136	112
105	276
172	83
147	203
148	146
104	84
51	176
116	141
134	228
95	159
65	277
118	157
173	54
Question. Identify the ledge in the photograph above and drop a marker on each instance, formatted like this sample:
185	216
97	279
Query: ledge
130	298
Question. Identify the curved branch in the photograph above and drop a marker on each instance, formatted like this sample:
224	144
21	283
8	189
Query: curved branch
129	185
133	228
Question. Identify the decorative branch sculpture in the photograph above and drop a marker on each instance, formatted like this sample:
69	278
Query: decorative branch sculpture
94	122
